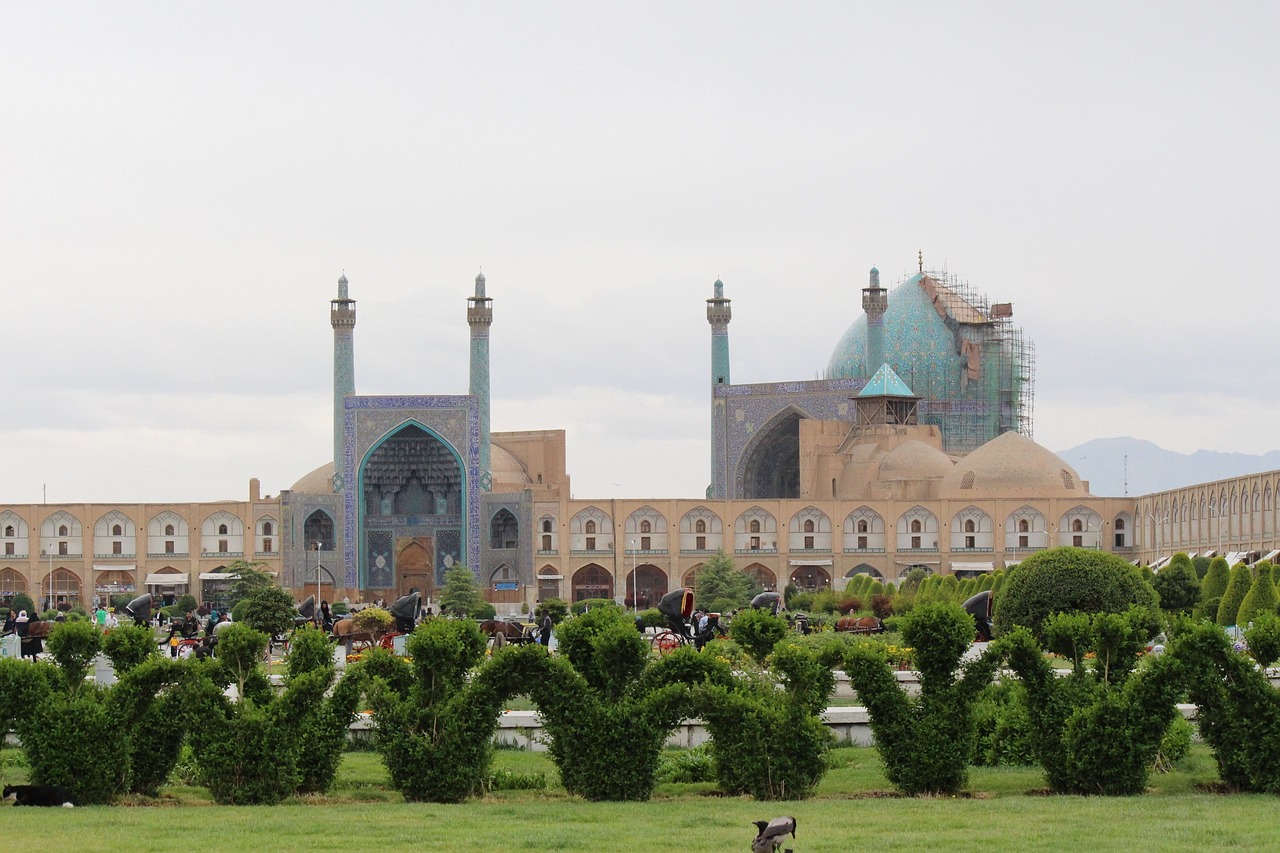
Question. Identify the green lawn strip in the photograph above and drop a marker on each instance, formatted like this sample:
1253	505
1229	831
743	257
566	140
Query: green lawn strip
854	805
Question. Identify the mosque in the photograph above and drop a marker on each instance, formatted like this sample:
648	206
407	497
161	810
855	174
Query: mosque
914	451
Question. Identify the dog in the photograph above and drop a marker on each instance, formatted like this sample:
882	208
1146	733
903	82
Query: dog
38	795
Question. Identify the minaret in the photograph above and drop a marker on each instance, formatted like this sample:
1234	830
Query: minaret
875	301
480	318
342	316
718	315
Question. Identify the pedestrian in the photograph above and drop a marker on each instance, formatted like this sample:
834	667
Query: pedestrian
544	635
100	617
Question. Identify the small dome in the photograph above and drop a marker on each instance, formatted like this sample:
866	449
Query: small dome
507	472
1012	465
915	460
318	482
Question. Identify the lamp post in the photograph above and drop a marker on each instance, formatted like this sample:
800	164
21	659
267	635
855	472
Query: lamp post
319	614
44	552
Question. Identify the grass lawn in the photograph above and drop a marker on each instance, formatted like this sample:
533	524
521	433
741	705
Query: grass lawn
850	811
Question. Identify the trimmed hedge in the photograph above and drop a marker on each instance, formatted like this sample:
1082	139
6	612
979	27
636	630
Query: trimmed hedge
1068	580
1098	730
1237	588
1261	597
925	741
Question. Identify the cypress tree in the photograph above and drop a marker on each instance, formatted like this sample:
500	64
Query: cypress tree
1261	597
1237	589
1215	580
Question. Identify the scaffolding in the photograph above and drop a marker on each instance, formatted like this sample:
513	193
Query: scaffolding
992	388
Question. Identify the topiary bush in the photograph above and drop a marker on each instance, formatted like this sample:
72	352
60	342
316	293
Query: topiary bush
434	726
1237	709
1178	586
1068	580
757	632
269	610
925	742
246	750
1214	584
1098	730
554	606
322	731
1261	597
1237	588
588	604
753	712
608	706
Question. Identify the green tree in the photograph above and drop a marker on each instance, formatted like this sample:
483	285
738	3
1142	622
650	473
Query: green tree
269	609
21	601
249	578
758	631
721	587
1237	589
1215	580
1261	597
554	606
1068	580
1177	585
461	595
1202	566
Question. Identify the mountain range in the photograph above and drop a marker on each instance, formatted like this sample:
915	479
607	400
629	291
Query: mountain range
1134	466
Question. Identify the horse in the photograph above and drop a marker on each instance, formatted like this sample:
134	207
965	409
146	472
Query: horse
860	625
512	632
346	633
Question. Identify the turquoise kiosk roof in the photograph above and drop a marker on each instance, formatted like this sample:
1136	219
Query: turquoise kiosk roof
886	384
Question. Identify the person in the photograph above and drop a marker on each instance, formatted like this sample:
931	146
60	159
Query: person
22	623
326	616
544	635
187	627
10	621
100	617
212	623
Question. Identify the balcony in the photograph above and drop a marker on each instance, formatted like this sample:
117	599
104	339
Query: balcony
130	556
810	551
1014	549
640	552
598	552
933	550
864	550
222	554
161	555
755	550
547	553
698	550
973	550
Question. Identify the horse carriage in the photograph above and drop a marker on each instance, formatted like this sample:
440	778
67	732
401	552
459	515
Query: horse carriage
510	631
140	609
677	607
979	607
403	610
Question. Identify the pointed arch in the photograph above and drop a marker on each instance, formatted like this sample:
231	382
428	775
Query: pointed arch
972	529
917	530
755	530
770	463
504	530
809	530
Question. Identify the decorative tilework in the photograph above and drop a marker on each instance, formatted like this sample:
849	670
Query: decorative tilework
455	420
380	559
448	552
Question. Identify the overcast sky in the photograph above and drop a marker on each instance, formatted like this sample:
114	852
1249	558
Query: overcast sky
181	184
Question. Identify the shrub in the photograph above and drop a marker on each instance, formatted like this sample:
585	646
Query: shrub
1215	580
503	779
21	601
1237	709
1068	580
1237	588
1177	585
73	646
925	742
1004	736
322	731
757	632
555	606
129	645
1261	597
687	765
652	618
77	742
1175	745
373	620
435	727
586	605
608	705
754	712
881	605
1097	731
184	603
721	587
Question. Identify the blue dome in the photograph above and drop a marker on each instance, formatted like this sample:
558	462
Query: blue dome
918	344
